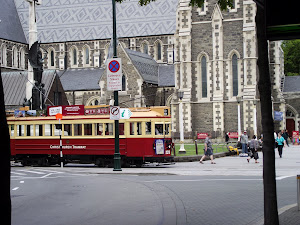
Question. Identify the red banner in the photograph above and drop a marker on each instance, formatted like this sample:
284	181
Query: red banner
233	134
97	111
202	135
70	110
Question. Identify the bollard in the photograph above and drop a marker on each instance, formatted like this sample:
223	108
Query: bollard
298	191
196	147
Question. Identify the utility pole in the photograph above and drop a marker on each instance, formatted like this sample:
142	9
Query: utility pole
117	157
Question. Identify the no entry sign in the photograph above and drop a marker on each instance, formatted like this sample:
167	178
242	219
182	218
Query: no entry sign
114	74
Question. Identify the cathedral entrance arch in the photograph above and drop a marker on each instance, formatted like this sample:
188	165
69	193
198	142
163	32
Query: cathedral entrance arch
291	119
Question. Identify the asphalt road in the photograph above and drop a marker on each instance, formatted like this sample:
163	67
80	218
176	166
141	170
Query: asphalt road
79	196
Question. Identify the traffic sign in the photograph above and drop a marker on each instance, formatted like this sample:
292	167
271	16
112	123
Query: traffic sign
54	110
114	74
114	112
125	113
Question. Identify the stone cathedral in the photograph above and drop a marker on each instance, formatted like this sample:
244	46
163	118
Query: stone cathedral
216	69
166	47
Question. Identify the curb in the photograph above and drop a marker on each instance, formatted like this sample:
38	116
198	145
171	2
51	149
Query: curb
198	157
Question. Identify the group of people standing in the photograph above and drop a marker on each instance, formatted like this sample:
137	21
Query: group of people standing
281	139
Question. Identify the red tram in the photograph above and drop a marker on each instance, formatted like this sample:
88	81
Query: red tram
145	137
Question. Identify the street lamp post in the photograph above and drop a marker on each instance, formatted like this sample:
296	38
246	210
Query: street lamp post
254	118
239	115
181	130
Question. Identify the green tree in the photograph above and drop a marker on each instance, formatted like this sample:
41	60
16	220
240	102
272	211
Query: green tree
291	49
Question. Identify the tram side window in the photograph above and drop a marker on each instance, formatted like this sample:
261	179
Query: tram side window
109	129
67	129
39	130
159	129
99	128
88	129
131	128
29	130
167	129
148	128
77	129
20	130
121	128
12	129
48	130
139	128
58	129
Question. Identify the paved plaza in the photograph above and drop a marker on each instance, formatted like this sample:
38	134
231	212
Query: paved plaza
228	192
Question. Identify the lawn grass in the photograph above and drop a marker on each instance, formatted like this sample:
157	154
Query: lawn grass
191	150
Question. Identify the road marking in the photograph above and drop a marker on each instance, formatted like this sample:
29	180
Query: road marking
283	177
242	179
16	188
32	171
49	171
46	175
22	182
21	174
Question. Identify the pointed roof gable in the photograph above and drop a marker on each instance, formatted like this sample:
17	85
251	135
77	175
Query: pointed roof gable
10	25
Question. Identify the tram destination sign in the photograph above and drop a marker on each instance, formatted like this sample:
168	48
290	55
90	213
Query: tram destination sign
114	74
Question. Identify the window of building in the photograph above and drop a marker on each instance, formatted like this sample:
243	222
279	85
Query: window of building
158	50
3	55
204	77
52	58
235	75
15	57
145	48
22	58
74	56
86	55
123	83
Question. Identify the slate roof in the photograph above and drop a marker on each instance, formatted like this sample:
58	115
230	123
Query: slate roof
14	85
81	79
10	26
145	64
292	84
166	76
73	20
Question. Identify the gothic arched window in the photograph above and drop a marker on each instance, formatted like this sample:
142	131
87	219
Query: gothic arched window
86	55
123	83
204	77
235	86
51	58
158	51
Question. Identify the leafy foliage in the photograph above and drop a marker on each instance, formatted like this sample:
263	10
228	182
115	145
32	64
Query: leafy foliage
198	3
291	50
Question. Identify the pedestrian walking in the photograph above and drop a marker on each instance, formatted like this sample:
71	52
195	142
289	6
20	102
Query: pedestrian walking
226	137
253	146
244	142
285	135
280	143
208	150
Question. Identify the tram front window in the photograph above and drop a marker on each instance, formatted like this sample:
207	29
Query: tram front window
159	128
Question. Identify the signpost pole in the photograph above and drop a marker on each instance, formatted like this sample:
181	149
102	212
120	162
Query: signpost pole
60	146
117	157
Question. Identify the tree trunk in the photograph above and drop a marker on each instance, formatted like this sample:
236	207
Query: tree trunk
264	87
5	161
